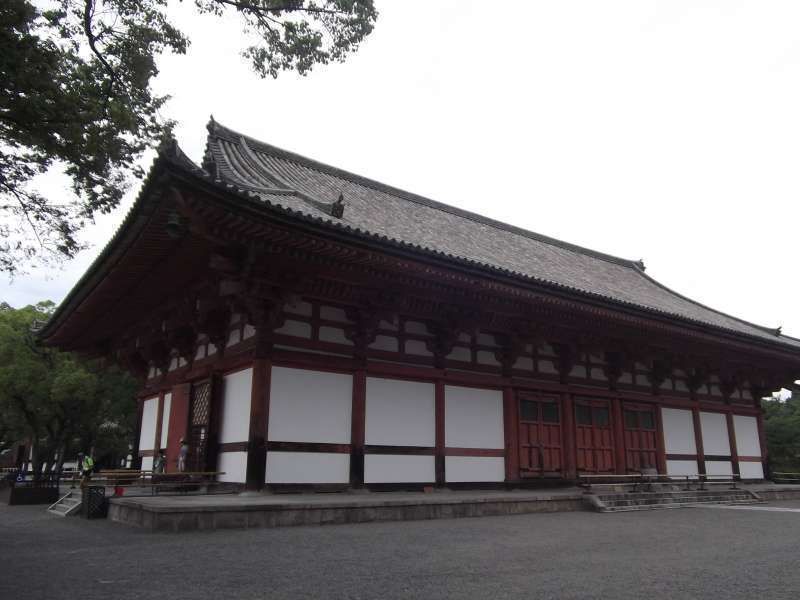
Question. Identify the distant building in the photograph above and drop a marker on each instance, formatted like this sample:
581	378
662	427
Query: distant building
303	326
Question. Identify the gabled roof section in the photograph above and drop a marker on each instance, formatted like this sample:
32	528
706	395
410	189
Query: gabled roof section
302	185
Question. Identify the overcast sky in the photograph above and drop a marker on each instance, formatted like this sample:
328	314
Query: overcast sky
661	130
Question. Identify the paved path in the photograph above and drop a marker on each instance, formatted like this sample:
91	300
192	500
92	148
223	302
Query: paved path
681	554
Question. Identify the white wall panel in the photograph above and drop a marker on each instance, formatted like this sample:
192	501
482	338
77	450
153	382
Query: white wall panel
746	431
165	419
681	467
474	468
234	465
390	468
473	417
310	406
147	434
236	392
678	432
400	413
715	434
307	467
719	467
147	463
751	470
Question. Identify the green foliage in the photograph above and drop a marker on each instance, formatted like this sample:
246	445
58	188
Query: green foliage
76	93
56	400
782	426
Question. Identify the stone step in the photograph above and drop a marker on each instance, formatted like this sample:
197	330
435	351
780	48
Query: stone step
698	493
680	500
672	505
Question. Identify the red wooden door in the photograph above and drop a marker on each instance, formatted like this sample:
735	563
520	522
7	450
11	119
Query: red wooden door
594	436
540	450
640	437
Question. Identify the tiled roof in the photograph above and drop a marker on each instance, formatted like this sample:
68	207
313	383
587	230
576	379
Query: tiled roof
287	180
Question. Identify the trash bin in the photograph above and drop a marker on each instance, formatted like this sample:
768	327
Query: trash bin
95	504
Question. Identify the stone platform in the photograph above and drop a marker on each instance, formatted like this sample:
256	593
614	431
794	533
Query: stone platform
187	513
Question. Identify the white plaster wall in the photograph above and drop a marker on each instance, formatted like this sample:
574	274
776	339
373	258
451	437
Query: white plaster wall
751	470
474	468
147	463
165	419
400	413
719	467
746	431
473	418
714	427
310	406
234	465
390	468
236	392
307	467
147	434
681	467
678	432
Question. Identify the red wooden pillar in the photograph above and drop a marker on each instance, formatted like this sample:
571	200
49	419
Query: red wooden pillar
619	436
732	442
440	433
762	440
136	460
178	422
568	436
511	434
358	428
698	442
259	425
159	423
661	454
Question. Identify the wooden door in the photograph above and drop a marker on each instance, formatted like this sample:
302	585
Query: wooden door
640	437
199	422
594	436
540	449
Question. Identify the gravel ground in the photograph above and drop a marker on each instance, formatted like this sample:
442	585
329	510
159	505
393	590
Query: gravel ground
682	554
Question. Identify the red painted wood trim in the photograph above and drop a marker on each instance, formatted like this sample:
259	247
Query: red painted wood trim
358	428
440	432
178	422
511	434
494	452
568	436
762	439
137	463
698	441
308	447
259	424
661	459
159	420
757	459
681	457
732	441
718	457
147	453
414	450
619	436
232	447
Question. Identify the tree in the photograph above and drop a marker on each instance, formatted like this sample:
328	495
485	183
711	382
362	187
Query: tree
782	427
57	401
76	93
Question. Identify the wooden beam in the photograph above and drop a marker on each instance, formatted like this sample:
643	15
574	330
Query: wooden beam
568	436
511	434
698	441
259	425
732	442
440	433
358	428
619	436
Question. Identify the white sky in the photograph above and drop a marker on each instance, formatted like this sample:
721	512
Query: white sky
663	130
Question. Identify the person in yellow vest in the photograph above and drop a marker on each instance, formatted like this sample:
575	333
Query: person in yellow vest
86	465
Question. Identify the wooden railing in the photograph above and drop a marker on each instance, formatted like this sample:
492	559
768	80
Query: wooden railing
637	479
783	477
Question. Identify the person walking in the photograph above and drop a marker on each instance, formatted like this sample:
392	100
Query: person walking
183	455
86	465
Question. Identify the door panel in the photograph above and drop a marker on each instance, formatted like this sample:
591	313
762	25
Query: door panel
199	422
594	436
540	449
640	437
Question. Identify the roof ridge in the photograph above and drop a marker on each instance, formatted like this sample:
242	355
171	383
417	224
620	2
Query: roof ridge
214	128
776	331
